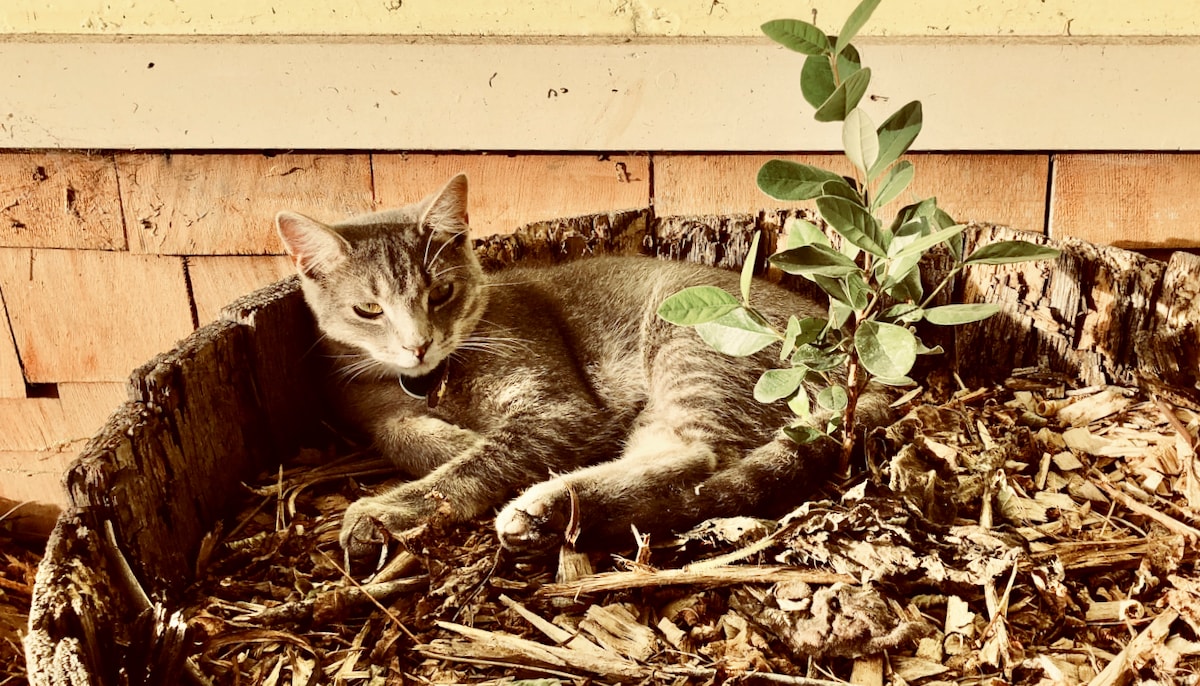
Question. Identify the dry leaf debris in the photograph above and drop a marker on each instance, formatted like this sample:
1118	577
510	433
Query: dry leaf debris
19	558
1031	534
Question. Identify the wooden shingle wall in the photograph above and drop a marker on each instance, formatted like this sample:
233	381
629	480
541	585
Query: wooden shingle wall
107	259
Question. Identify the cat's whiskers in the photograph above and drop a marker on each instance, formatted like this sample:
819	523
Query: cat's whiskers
361	365
495	345
428	242
429	262
446	271
495	326
316	344
491	284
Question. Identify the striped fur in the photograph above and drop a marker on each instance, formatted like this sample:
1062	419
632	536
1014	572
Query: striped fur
558	380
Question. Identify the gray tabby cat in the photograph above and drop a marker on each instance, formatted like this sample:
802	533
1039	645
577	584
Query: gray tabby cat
547	384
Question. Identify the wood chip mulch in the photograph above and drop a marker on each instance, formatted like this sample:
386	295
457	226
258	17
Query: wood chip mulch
19	557
1032	533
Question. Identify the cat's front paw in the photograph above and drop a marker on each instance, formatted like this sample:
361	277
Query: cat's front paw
537	520
370	523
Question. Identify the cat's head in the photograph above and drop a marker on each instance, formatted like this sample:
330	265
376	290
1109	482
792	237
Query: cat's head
402	286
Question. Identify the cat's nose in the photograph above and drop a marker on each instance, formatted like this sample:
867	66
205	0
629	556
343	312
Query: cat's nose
419	350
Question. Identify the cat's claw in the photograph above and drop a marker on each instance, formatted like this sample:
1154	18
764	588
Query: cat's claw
362	537
370	524
535	521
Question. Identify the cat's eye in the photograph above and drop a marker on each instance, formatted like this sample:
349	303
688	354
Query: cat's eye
441	293
368	310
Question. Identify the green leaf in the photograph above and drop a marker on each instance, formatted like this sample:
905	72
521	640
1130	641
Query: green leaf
839	314
854	222
810	330
777	384
896	272
840	188
785	180
801	332
885	350
797	35
810	260
800	233
818	359
858	290
845	98
859	140
696	305
799	404
748	268
854	23
905	285
816	76
900	381
833	398
904	312
951	315
1007	252
942	219
802	433
834	424
789	337
922	349
896	135
834	288
850	290
905	215
898	178
737	333
921	245
909	231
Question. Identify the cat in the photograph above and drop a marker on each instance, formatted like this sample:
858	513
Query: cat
542	391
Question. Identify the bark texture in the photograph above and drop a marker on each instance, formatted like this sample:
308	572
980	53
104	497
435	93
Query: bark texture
236	397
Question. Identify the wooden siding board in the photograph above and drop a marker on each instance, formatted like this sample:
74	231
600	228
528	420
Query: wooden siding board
31	423
999	189
59	200
83	315
1127	200
34	476
509	191
12	379
225	204
218	281
723	184
36	424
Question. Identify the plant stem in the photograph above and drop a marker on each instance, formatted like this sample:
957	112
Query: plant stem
848	415
933	294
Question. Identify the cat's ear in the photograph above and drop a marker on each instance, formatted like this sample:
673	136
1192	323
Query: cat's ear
446	210
314	247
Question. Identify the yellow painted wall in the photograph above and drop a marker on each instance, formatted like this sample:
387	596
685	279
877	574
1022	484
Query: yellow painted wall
1057	18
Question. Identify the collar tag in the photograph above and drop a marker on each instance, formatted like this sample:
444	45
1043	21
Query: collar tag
428	387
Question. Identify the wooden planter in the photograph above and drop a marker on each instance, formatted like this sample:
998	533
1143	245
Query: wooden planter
236	397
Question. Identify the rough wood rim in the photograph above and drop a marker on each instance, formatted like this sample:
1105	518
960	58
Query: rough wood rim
233	397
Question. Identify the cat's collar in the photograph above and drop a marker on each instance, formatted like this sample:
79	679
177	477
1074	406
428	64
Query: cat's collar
427	387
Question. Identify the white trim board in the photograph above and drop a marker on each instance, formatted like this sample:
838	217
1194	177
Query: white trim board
390	95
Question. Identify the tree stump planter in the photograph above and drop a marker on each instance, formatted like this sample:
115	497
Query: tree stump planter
238	397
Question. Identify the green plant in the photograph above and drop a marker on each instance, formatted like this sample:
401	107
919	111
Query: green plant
872	275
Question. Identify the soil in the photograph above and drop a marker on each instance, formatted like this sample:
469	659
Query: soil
1030	533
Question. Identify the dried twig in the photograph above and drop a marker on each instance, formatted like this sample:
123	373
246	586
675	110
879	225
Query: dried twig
1136	652
1172	524
334	603
705	578
390	615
